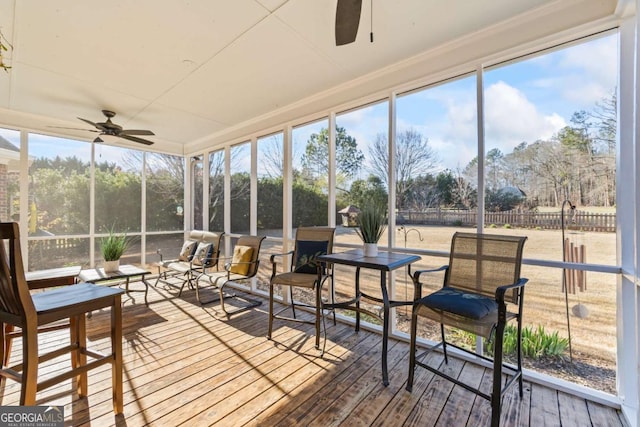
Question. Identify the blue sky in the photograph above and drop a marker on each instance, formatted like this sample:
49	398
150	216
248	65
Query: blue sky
524	101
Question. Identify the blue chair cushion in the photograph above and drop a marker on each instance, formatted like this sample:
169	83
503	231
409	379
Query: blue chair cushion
462	303
307	251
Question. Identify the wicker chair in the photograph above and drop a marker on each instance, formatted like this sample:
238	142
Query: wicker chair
482	276
304	273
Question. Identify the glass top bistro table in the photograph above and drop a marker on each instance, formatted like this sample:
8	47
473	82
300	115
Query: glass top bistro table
384	262
95	275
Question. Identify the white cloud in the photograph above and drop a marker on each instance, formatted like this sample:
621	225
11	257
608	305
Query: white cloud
511	118
603	70
583	74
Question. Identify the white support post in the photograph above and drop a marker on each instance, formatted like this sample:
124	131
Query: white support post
227	202
253	220
628	220
287	184
206	166
287	195
391	202
331	180
143	209
188	209
481	154
92	208
24	193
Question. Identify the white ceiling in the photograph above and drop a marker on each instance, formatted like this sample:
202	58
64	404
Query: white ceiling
199	71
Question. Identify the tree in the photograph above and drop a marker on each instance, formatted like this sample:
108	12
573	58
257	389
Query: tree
165	192
272	151
310	206
240	202
424	193
366	191
414	157
494	166
216	190
315	161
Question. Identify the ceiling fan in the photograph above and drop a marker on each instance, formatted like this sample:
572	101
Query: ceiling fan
112	129
347	21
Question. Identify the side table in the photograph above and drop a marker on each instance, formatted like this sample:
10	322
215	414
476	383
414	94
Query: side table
96	275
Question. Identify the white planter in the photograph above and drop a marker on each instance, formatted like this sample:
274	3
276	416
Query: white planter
111	266
370	249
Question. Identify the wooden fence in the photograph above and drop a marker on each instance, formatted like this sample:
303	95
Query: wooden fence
577	220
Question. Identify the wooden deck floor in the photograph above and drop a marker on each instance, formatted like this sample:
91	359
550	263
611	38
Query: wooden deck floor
185	365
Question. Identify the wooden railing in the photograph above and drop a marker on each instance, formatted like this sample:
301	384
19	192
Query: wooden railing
578	220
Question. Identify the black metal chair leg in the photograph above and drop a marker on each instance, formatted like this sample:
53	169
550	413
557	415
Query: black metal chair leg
270	311
293	305
496	395
444	343
412	349
318	314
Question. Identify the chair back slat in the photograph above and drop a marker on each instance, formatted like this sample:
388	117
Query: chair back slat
482	262
15	299
315	234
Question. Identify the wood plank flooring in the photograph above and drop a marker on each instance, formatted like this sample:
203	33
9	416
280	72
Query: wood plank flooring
185	365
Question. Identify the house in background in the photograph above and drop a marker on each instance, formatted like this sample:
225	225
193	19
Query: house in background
9	167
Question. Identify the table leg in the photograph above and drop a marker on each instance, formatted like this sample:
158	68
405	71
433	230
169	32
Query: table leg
385	327
146	289
116	350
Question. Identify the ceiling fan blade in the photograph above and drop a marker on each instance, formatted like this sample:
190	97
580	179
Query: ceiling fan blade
347	21
135	139
88	121
62	127
136	132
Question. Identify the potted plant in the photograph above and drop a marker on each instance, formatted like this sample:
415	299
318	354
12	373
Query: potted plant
112	248
372	221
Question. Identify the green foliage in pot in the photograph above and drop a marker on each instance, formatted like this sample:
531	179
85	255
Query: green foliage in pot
372	221
114	245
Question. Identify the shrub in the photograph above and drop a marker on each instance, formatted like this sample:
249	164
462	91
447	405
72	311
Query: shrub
536	343
506	226
457	223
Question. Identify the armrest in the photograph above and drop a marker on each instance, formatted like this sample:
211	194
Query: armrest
417	286
417	273
501	290
274	264
227	265
272	258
